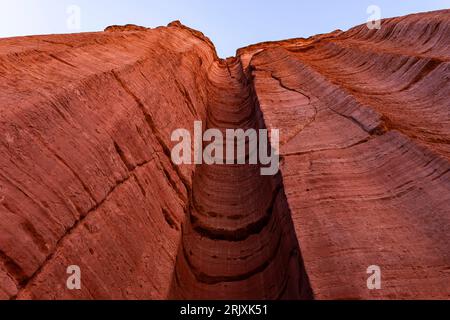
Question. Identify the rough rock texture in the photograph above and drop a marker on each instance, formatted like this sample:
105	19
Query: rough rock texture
86	177
239	242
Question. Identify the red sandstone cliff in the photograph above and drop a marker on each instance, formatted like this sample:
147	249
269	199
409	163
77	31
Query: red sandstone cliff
86	177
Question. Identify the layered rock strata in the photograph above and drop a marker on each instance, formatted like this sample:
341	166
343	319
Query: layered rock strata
86	176
238	240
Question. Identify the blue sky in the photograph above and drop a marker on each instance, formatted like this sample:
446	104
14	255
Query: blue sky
231	24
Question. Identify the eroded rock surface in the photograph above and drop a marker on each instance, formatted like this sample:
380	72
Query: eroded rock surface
86	177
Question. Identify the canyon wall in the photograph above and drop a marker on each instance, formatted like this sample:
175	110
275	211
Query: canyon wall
86	176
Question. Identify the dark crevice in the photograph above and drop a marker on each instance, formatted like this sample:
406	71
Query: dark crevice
208	279
170	220
429	67
223	230
13	269
62	60
24	284
123	157
240	234
153	128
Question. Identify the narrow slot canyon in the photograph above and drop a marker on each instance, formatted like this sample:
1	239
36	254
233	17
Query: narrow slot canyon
87	179
238	239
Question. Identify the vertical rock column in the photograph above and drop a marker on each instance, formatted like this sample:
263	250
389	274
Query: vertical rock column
238	240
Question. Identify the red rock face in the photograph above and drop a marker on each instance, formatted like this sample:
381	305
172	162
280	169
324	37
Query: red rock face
86	176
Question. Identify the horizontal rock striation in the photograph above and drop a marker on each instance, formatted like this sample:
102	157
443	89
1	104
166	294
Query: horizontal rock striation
238	241
365	124
86	176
